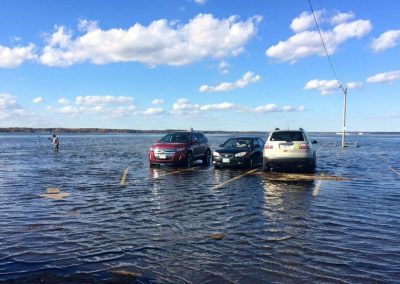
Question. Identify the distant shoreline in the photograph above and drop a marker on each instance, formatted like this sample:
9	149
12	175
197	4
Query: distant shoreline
59	130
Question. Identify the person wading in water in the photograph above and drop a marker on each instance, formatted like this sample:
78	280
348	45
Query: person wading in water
55	142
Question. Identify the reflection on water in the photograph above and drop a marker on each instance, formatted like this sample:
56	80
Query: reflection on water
159	224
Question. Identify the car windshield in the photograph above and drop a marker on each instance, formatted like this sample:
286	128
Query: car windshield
238	143
176	138
287	136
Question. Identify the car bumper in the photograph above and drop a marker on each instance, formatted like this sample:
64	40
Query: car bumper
176	158
233	162
289	162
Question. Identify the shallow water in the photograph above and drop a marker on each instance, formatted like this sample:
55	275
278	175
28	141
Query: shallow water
159	224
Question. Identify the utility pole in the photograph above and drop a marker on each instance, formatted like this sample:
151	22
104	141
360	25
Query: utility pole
344	144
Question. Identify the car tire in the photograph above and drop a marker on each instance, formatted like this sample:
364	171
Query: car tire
152	165
189	160
207	158
266	168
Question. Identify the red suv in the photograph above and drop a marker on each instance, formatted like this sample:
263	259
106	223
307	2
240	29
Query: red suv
180	148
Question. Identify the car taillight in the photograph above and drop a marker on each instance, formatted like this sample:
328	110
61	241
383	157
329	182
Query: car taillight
304	146
268	146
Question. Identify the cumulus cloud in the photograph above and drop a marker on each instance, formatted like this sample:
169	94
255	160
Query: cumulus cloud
341	18
157	101
307	42
9	108
223	67
63	101
327	87
153	111
386	40
184	107
161	42
102	100
385	77
14	57
247	78
276	108
107	105
200	2
305	21
38	100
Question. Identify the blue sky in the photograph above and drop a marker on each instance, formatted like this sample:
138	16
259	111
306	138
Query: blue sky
205	64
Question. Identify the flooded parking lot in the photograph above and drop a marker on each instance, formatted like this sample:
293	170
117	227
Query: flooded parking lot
200	224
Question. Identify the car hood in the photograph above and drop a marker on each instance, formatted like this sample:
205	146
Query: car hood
232	150
168	145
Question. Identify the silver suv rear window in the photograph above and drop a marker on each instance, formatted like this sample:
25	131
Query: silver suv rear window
287	136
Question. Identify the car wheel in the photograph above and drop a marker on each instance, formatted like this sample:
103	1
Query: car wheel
266	168
207	158
152	165
189	160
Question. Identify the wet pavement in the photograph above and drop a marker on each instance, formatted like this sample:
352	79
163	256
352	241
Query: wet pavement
197	225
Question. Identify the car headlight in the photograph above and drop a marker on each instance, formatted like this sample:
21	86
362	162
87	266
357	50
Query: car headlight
216	154
241	154
180	149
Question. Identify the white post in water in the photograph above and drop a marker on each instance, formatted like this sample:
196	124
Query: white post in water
344	118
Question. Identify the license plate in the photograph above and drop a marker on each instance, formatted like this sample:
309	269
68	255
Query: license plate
286	147
162	157
225	160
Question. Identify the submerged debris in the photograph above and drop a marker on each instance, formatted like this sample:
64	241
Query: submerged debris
299	177
217	237
54	193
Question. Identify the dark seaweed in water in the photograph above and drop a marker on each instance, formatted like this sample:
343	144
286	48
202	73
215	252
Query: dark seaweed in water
159	224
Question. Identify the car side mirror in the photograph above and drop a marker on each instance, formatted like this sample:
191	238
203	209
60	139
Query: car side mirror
314	142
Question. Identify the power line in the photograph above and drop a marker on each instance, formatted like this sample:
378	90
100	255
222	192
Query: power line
326	50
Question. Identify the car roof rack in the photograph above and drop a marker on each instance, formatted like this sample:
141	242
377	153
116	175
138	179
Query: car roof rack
277	128
301	129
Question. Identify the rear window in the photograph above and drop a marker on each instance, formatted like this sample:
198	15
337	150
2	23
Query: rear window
287	136
176	138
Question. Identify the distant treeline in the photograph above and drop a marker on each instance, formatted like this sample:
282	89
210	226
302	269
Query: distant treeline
107	130
128	131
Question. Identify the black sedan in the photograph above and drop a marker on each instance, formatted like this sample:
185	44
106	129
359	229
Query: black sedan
239	151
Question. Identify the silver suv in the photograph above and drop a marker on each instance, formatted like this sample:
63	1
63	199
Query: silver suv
289	148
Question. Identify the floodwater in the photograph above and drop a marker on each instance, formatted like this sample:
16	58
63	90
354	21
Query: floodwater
341	225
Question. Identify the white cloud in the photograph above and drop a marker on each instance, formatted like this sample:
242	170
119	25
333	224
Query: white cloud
342	17
37	100
247	79
385	77
9	108
64	101
184	107
306	42
102	100
161	42
70	110
305	21
157	101
223	67
153	111
14	57
200	2
327	87
115	106
276	108
386	40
